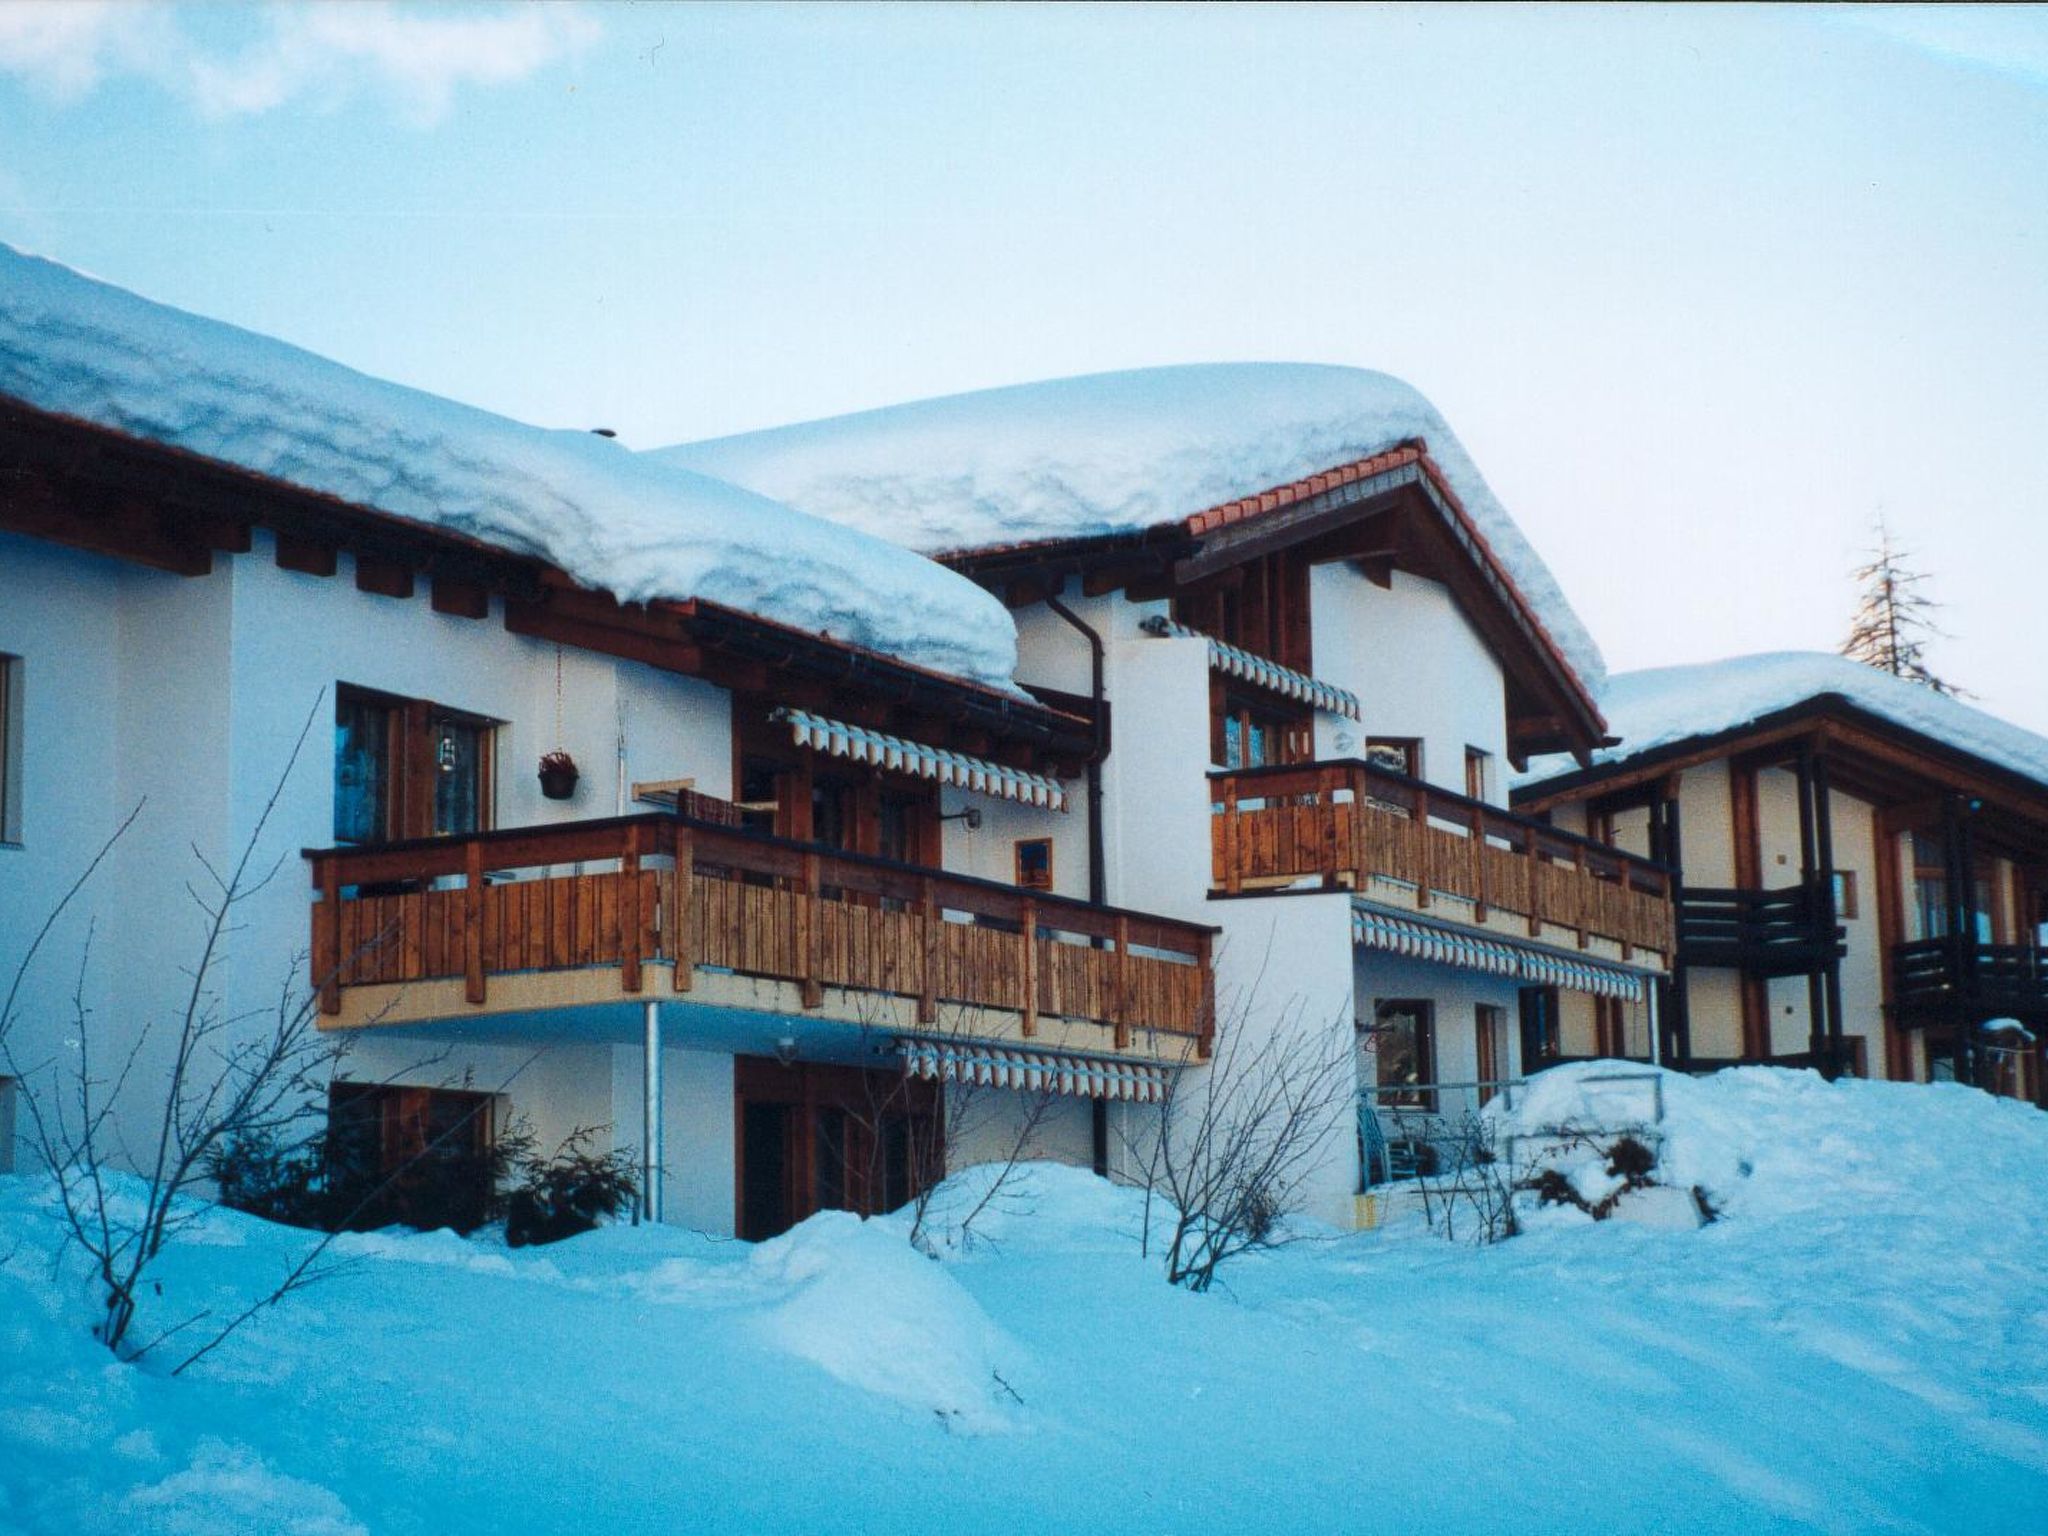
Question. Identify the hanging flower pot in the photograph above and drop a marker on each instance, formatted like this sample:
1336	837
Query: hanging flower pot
558	775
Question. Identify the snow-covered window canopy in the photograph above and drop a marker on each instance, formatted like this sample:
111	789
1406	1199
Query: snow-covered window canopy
996	1066
1232	661
1492	954
860	745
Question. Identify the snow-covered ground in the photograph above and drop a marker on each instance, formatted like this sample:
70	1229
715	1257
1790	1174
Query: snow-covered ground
1860	1343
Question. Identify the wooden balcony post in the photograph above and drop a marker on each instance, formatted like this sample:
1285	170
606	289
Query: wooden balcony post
1122	1006
1029	1026
327	938
1478	838
1205	1024
1357	861
1627	923
473	983
928	947
629	912
1233	834
681	911
810	931
1532	871
1421	844
1582	892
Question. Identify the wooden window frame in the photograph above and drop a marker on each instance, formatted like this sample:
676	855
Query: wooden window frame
1846	904
1033	880
411	770
1422	1094
1490	1043
1291	728
1482	760
1410	748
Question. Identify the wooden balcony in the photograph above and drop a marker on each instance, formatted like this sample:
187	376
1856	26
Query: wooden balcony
1349	823
1788	932
1958	981
662	901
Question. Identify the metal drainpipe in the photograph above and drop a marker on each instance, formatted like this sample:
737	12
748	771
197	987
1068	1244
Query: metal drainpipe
1097	877
1098	880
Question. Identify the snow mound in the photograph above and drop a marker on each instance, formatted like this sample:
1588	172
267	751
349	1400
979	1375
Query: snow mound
1666	705
1114	453
1032	1207
873	1312
228	1490
613	519
1766	1144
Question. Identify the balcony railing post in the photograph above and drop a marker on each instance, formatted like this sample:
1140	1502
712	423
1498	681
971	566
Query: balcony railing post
1582	892
1478	857
327	957
1205	1023
1627	917
1421	844
928	949
1233	839
1122	1003
629	912
473	983
1029	1024
1532	871
681	911
810	933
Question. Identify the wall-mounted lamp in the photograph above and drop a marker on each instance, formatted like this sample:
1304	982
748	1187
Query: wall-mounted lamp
972	816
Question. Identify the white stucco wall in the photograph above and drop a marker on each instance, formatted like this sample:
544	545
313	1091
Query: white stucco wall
1418	668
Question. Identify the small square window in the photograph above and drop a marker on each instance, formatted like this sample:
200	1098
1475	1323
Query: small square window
1034	863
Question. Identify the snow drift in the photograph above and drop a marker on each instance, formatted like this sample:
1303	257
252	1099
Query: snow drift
1113	453
1859	1343
611	518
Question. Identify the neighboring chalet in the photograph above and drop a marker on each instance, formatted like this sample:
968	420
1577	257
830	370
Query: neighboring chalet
1863	866
1319	643
766	926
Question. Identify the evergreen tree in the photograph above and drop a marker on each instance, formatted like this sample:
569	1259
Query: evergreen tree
1892	624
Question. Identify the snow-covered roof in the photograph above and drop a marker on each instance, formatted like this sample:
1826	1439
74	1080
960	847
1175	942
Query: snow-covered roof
1664	706
612	519
1115	453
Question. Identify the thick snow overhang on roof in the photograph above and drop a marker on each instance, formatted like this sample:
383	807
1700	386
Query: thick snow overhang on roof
1667	717
613	520
1169	453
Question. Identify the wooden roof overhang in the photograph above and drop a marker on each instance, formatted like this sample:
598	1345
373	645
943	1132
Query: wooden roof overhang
91	487
1393	510
1903	772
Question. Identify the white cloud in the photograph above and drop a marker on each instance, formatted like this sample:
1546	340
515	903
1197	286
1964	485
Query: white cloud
418	57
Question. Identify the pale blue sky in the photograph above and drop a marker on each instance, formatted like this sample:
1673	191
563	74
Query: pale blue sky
1703	291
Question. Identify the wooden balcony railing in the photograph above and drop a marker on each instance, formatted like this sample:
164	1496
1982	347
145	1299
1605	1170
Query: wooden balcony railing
692	894
1956	979
1350	822
1788	932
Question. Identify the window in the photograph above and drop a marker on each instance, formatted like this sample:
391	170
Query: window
1490	1025
420	1156
1396	754
1478	772
1404	1041
408	768
1845	893
1930	893
1540	1027
10	749
1034	863
1251	734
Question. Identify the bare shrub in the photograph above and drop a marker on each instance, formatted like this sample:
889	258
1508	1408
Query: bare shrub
1239	1138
